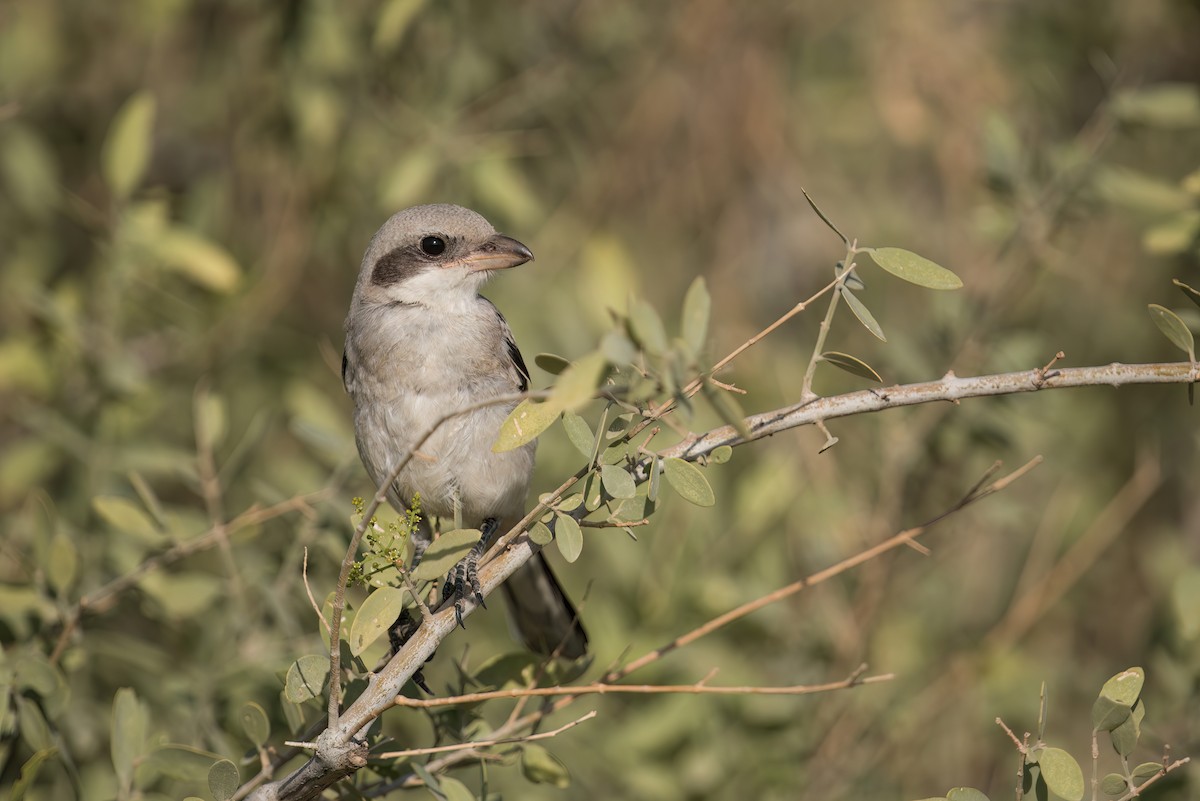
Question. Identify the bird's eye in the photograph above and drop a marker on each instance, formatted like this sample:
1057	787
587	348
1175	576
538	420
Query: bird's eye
433	246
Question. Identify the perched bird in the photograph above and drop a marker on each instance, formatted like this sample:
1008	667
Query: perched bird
420	343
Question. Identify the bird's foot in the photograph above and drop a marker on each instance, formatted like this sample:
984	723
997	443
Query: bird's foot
464	578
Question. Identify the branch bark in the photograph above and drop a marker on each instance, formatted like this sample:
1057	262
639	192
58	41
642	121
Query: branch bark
340	749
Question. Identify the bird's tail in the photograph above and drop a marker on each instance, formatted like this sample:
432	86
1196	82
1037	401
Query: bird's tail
541	613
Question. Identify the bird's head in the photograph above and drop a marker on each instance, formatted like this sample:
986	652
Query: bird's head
435	255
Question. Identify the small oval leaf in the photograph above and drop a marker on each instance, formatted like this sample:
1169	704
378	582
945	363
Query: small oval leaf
578	383
721	454
128	733
689	481
1113	784
540	534
617	481
965	794
552	363
1146	770
697	306
863	314
542	767
223	780
569	537
580	434
127	146
915	269
255	723
376	615
1125	687
524	424
444	553
306	678
1062	774
1173	329
852	365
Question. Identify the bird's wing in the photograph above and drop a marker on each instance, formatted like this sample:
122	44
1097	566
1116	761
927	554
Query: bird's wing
511	349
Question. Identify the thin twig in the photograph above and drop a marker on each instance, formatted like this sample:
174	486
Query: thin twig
442	749
604	688
308	591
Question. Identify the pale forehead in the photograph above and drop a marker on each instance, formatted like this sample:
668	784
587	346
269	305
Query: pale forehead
438	218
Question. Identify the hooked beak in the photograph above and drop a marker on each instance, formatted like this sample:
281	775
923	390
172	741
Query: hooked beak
498	253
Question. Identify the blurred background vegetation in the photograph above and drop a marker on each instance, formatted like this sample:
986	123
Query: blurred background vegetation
188	186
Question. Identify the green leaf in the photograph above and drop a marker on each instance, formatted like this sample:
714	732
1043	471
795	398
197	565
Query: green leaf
1108	714
1173	235
378	612
29	772
542	767
862	313
126	516
1125	737
524	424
697	306
965	794
1113	784
578	383
1174	329
223	780
1185	598
62	563
617	481
852	365
551	363
618	348
454	790
445	553
128	734
569	537
821	214
394	19
1125	687
1161	105
721	454
306	678
654	480
689	481
1062	774
35	731
1146	770
540	534
127	146
211	420
1191	293
915	269
198	259
255	723
506	669
647	327
1138	192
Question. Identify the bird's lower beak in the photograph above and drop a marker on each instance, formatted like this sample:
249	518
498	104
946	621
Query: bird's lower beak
498	253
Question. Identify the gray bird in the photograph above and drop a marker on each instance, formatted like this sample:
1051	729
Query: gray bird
421	342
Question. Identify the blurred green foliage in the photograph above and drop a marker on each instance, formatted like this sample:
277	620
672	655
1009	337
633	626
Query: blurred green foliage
187	190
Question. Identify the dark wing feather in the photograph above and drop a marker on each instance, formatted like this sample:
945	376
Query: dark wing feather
510	347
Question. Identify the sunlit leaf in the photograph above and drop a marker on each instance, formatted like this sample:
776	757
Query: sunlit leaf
1113	784
1173	329
697	304
1125	737
1139	192
1162	105
127	147
863	314
1173	235
62	563
377	613
454	790
913	268
1062	774
524	424
568	536
852	365
394	19
689	481
199	259
444	553
1147	769
540	534
618	348
29	169
223	780
965	794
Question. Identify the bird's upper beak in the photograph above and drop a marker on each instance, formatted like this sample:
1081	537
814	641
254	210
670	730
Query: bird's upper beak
498	253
